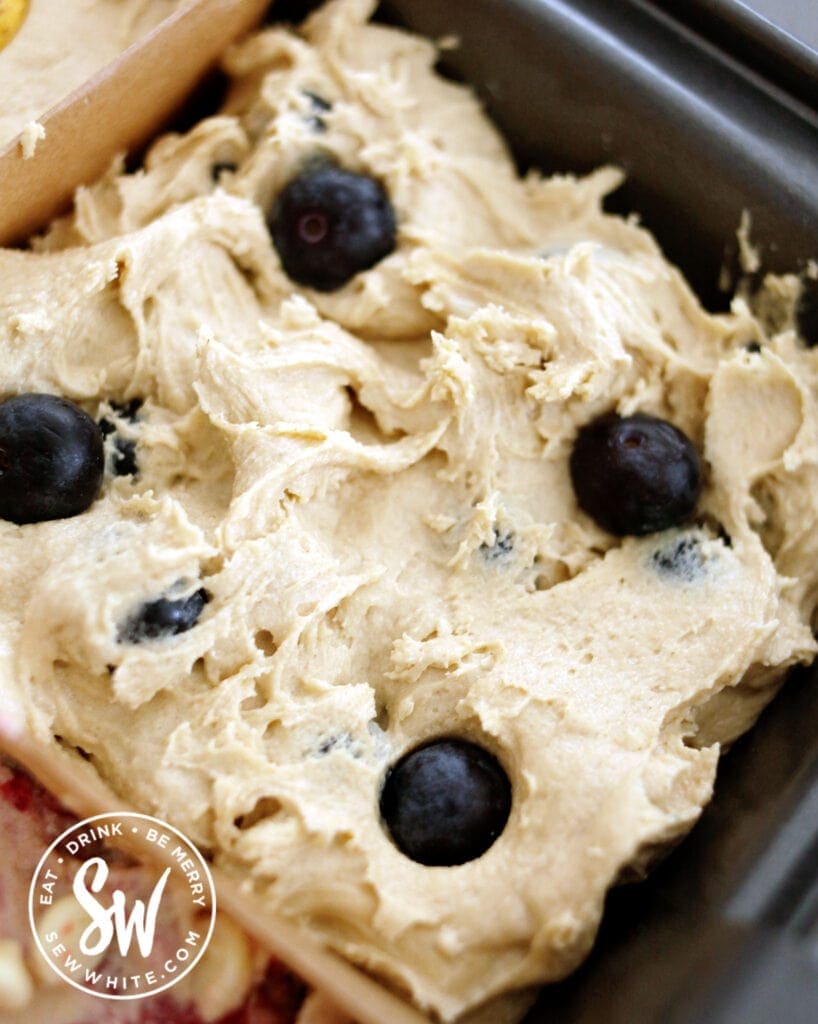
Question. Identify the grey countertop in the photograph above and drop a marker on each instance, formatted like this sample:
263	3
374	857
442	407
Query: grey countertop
798	18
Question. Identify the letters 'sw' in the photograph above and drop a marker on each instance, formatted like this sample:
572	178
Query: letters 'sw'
108	921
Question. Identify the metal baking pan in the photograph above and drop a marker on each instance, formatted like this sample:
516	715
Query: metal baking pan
701	137
777	38
726	929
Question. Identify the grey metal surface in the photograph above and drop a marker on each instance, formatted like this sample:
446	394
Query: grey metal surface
778	38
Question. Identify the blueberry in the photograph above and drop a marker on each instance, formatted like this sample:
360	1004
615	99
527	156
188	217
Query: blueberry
128	410
445	803
502	545
329	224
330	743
163	617
635	475
51	459
681	558
344	741
317	102
123	458
319	106
122	410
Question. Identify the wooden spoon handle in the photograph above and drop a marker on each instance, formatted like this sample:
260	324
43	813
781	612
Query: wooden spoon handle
85	795
119	109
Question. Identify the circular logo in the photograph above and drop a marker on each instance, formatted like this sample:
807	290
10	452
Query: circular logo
111	925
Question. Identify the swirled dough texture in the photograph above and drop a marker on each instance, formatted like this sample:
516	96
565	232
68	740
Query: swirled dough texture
373	487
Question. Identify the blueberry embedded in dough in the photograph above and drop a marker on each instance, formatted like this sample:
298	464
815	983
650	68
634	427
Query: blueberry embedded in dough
122	460
635	475
343	741
128	410
327	744
328	224
51	459
445	803
318	106
501	547
681	558
163	617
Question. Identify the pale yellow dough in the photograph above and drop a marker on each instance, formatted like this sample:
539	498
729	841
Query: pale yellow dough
373	486
61	44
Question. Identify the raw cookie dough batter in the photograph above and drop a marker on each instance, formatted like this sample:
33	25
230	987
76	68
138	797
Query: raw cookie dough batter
60	45
372	485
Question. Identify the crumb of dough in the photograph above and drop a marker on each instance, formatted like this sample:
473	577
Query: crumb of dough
749	255
33	133
449	42
775	303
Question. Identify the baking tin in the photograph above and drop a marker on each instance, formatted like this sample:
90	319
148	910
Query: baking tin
725	931
709	117
707	123
701	137
778	38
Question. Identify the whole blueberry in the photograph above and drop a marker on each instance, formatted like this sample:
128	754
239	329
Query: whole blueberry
51	459
163	617
328	224
445	803
635	475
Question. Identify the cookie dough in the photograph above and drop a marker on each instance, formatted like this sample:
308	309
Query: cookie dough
60	46
372	487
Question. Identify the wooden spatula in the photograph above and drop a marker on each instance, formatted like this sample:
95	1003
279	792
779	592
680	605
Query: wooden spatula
119	109
350	990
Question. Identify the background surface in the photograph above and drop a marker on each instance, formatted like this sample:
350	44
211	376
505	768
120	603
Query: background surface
798	17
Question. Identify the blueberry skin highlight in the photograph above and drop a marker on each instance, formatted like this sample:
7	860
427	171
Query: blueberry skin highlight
164	617
51	459
635	475
445	803
328	224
